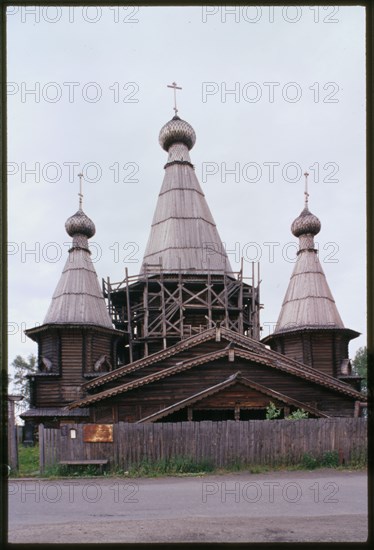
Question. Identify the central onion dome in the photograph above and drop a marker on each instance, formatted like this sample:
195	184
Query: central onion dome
80	224
306	223
177	131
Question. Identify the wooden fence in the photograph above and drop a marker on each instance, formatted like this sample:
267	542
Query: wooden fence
266	442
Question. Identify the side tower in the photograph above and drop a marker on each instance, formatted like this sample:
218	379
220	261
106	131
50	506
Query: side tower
309	327
186	283
77	340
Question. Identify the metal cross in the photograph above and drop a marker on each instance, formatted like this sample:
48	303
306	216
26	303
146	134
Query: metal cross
306	189
80	194
175	88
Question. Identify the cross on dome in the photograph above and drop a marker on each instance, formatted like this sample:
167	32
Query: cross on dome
306	189
79	224
175	88
80	194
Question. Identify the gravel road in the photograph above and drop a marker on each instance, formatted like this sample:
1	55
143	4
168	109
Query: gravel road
323	505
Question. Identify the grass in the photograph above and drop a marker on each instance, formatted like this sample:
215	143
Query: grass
28	460
183	466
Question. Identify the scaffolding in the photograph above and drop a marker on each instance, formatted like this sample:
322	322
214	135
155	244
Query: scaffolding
156	309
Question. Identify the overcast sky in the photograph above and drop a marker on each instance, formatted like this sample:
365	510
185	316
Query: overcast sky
99	75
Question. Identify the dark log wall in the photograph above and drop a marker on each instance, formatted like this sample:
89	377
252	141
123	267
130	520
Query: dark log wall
237	395
49	348
341	350
293	347
74	351
323	350
100	345
47	392
151	398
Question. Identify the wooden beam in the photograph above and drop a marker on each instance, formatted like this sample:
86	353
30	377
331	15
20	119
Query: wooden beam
129	328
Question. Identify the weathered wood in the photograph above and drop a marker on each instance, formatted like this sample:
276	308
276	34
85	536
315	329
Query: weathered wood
83	462
222	443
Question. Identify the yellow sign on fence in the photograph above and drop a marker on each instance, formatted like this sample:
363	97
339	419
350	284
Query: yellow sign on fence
98	433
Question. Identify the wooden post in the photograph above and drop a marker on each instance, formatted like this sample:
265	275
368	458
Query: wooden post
146	311
163	305
128	315
12	432
226	302
258	299
209	299
109	297
253	305
240	300
180	295
41	449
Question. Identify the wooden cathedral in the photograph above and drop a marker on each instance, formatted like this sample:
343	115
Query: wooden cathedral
181	340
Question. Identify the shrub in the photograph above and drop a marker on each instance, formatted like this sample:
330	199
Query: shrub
309	462
272	411
299	414
330	459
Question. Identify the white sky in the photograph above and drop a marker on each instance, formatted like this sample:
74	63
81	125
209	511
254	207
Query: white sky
322	53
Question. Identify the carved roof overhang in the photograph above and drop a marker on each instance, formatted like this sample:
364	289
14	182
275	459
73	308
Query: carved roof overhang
150	359
51	412
308	329
33	333
257	350
269	359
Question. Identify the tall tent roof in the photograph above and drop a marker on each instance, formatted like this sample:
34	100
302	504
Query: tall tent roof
183	232
78	298
308	302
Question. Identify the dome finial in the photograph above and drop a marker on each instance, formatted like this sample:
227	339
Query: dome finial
307	223
306	189
79	226
175	88
80	194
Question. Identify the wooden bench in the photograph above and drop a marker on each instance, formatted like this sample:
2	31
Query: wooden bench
101	463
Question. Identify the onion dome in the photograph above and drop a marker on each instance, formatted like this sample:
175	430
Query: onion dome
80	224
177	131
306	223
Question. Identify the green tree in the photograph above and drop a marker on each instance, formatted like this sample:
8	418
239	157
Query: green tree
359	365
22	367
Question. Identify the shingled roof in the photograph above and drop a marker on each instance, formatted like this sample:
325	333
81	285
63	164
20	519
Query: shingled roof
78	298
183	232
308	302
250	350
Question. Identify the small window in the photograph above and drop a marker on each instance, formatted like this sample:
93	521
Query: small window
73	433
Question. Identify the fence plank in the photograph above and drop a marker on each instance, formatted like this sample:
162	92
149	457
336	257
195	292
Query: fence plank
252	442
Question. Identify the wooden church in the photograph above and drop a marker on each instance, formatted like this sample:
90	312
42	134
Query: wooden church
181	340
